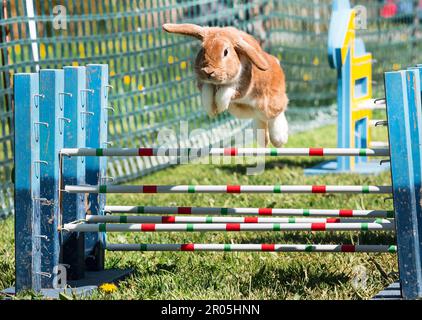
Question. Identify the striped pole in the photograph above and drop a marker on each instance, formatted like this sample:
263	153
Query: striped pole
228	189
230	152
254	247
150	227
372	104
249	211
190	219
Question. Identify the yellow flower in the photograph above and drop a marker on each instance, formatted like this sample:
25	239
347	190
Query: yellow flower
183	65
396	66
75	63
108	288
81	50
316	61
170	59
126	80
306	77
18	49
140	87
112	73
178	78
43	51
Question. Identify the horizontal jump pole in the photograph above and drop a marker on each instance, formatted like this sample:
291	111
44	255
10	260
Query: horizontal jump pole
379	144
230	152
254	247
249	211
150	227
229	189
372	104
190	219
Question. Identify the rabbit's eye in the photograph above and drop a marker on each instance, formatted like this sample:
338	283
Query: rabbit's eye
226	52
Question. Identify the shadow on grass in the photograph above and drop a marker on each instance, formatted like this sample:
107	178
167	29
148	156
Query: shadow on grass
324	238
296	277
273	164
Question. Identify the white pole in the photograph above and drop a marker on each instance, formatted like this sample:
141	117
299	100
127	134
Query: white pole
104	227
248	211
230	152
229	189
32	32
191	219
254	247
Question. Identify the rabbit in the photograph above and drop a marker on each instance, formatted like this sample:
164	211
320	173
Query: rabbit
235	74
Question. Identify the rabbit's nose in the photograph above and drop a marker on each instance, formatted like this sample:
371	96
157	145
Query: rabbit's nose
208	71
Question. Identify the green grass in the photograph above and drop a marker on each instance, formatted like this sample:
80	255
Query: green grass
202	275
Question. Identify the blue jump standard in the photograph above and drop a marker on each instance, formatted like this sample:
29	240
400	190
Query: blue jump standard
330	167
392	292
83	287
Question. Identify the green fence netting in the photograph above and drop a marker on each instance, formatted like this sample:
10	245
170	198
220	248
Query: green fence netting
151	71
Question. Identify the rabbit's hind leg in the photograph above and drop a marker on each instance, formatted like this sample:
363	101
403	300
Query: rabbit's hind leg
279	130
261	133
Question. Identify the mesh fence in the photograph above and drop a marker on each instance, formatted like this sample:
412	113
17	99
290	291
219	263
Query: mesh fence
151	71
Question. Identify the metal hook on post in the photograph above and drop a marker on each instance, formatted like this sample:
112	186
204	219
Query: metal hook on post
84	114
110	108
37	95
61	126
384	161
108	88
108	143
104	180
64	94
37	132
83	99
381	123
37	167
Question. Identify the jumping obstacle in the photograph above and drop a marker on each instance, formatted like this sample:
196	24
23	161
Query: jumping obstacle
347	54
61	187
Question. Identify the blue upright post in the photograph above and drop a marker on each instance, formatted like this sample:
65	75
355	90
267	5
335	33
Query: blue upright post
27	182
96	137
73	205
347	54
405	136
51	141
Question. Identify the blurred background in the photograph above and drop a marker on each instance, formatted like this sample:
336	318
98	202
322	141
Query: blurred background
151	72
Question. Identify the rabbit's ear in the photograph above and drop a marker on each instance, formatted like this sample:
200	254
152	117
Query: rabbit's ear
186	29
253	54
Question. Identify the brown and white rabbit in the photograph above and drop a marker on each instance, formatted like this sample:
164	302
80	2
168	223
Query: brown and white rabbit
235	74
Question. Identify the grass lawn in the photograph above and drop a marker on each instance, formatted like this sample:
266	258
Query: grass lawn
185	275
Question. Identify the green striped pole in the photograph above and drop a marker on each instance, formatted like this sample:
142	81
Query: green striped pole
230	152
254	247
249	211
151	227
229	189
191	219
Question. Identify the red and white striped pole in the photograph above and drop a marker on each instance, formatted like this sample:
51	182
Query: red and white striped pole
231	152
191	219
249	211
229	189
150	227
254	247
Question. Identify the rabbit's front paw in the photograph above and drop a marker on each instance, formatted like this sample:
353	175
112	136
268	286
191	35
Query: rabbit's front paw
207	97
223	97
